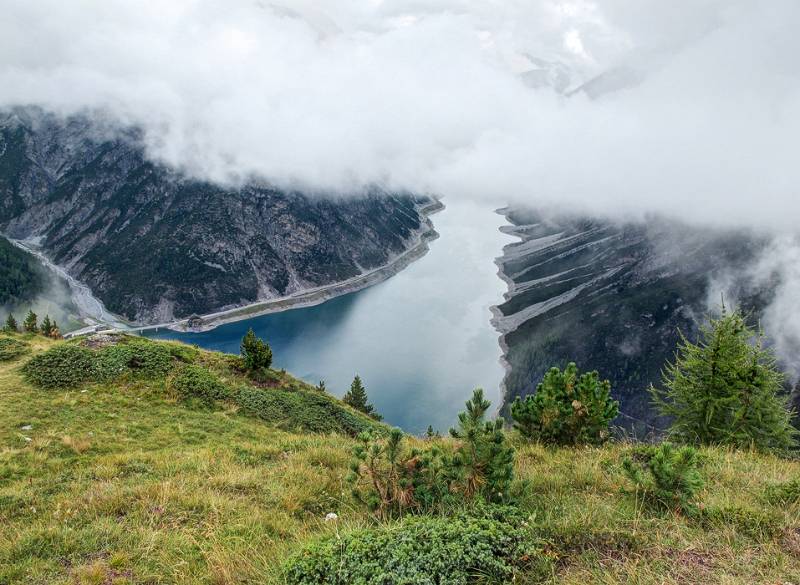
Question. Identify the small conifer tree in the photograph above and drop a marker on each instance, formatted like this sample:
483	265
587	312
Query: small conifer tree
256	353
47	326
726	389
358	399
484	462
568	408
11	325
30	324
382	473
667	476
431	433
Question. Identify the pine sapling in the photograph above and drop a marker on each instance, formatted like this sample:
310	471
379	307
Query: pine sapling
567	408
667	476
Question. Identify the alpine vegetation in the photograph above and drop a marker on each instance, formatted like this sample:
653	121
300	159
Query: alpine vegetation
726	388
568	408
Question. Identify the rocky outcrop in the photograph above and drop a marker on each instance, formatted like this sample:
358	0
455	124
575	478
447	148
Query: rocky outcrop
155	245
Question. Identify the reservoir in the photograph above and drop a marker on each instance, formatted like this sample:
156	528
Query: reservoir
421	340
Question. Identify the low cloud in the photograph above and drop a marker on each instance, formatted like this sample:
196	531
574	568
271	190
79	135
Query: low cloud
696	116
687	108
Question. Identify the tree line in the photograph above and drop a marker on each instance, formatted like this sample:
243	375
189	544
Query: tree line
48	326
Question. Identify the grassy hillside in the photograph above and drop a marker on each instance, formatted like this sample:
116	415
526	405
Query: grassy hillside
122	482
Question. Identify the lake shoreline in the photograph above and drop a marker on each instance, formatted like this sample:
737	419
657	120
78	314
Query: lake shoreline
497	315
314	296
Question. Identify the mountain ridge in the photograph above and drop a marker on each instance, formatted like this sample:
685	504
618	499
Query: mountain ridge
155	245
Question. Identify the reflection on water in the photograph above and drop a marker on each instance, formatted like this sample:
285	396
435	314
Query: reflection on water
420	340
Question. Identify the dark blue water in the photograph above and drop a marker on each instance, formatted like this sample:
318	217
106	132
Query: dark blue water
421	341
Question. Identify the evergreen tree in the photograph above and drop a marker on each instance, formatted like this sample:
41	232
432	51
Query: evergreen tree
666	476
30	324
47	327
726	389
55	333
484	462
358	399
11	325
568	408
256	353
431	433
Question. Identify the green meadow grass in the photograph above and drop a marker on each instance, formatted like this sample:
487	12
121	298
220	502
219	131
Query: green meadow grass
122	483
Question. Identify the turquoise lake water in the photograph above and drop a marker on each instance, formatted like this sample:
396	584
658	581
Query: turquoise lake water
421	341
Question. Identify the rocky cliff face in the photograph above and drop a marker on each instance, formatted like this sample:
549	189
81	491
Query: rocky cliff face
611	298
154	244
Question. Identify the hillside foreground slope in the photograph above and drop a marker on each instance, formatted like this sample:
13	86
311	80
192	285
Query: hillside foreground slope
122	482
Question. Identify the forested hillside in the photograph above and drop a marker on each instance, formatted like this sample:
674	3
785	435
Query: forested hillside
21	278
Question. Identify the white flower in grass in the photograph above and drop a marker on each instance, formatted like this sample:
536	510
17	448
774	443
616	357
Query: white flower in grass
331	517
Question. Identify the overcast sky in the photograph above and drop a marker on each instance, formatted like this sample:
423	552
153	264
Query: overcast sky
430	95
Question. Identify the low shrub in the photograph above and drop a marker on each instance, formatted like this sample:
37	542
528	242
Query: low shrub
111	361
11	349
298	409
489	546
787	492
568	408
62	366
265	377
142	357
392	479
183	353
196	382
667	476
68	365
757	523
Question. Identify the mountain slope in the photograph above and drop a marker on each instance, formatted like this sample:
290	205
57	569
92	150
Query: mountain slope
154	244
21	278
612	298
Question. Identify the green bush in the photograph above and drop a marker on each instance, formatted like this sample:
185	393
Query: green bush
137	356
62	366
491	547
68	365
197	382
296	409
12	348
667	476
568	408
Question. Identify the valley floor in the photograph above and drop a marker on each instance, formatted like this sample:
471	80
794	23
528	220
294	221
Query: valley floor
120	483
